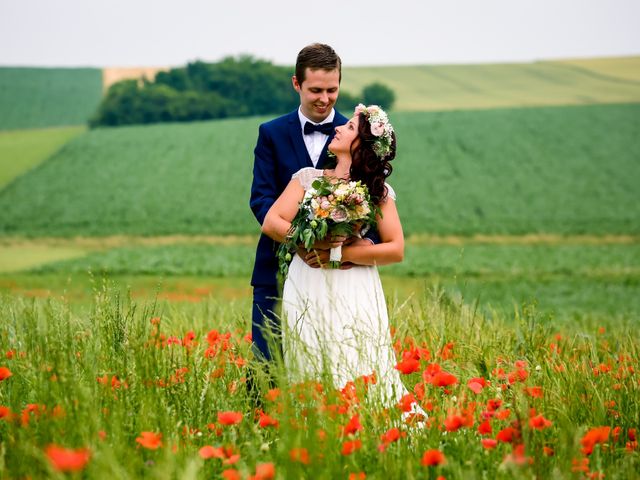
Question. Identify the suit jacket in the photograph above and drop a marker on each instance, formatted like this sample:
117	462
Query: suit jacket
279	153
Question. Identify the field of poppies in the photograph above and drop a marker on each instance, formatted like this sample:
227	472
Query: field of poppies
152	389
125	257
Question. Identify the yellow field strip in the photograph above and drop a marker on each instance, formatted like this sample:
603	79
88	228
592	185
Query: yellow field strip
100	243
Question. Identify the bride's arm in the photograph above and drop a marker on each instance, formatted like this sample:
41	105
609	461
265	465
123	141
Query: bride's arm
278	219
391	247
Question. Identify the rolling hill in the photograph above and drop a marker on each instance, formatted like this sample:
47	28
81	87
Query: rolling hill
565	170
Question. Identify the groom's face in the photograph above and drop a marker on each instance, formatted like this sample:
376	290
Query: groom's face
318	93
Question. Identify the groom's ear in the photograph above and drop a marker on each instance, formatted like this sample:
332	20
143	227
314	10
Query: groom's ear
296	85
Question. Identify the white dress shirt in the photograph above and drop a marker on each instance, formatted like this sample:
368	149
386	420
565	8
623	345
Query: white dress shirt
315	141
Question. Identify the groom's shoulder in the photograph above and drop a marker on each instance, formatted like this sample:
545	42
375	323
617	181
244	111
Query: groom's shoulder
340	119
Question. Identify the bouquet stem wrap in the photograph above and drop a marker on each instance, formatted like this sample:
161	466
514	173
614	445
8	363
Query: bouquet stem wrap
335	255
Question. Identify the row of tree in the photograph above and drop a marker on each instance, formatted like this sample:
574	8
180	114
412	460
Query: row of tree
233	87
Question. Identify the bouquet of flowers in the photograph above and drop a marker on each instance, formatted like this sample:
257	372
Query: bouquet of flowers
327	209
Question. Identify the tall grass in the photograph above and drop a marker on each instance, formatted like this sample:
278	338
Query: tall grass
100	378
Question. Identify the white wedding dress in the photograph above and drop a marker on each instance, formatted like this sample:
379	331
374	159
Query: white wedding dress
335	322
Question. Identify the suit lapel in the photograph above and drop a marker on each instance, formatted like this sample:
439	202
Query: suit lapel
323	156
295	132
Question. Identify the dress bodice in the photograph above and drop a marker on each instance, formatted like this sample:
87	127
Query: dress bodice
307	175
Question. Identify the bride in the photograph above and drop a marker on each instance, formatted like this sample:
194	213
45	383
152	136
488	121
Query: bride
335	320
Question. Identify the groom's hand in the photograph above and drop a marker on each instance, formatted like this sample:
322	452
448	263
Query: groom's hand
320	259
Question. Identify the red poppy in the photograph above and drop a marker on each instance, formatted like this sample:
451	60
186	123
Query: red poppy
581	465
353	426
150	440
535	392
272	394
392	435
31	408
489	443
300	455
351	446
593	437
369	379
517	456
67	460
454	422
433	458
443	379
4	373
231	474
357	476
494	404
5	412
208	451
408	365
503	414
447	351
267	420
229	418
475	387
406	401
189	339
226	454
519	375
265	471
539	422
485	428
507	435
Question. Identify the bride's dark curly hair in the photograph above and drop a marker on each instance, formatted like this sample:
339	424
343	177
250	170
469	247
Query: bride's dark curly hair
366	166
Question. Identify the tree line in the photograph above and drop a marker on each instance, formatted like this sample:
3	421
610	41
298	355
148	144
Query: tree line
232	87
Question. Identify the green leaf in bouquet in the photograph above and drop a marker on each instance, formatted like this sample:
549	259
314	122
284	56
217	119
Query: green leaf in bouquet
308	237
322	229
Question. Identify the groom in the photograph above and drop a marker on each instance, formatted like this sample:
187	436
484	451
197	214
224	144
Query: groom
285	145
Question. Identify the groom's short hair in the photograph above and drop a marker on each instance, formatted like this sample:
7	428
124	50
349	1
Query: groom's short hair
317	56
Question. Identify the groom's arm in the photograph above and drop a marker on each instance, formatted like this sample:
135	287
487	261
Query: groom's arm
263	187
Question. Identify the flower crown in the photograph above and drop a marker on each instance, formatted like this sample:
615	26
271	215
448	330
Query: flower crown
380	128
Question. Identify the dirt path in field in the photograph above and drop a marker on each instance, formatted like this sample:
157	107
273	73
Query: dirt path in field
100	243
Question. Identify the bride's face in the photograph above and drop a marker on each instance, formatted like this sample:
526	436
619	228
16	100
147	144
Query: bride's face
345	136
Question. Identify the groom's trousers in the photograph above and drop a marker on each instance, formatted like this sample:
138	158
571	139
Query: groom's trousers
266	330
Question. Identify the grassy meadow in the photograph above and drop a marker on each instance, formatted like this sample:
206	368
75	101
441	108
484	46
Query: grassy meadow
125	257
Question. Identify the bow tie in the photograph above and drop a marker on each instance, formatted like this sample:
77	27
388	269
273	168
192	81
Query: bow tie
326	128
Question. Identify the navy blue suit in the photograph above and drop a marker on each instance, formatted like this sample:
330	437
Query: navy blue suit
279	153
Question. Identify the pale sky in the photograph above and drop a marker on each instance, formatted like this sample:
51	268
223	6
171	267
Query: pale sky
363	32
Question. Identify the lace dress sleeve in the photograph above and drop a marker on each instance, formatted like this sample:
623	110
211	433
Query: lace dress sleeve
306	176
391	193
